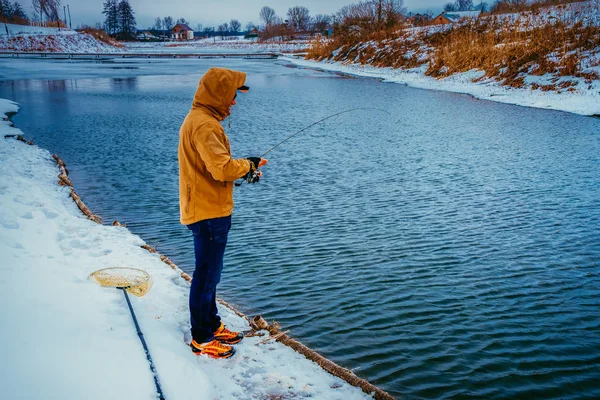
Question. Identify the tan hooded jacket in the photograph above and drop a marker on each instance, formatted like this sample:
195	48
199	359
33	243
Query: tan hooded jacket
206	169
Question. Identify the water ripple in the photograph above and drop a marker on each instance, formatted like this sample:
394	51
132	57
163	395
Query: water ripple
451	251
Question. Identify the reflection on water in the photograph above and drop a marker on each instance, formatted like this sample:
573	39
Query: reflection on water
129	83
38	85
448	251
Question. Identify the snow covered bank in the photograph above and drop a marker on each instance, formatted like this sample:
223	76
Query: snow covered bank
33	38
65	337
584	102
217	45
16	30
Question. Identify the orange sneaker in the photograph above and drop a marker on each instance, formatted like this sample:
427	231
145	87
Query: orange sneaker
224	335
212	349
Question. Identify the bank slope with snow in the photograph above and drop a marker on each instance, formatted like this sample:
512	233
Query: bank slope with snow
547	58
39	39
65	337
232	44
586	102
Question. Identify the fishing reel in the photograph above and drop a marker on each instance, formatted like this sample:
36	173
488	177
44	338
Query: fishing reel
254	176
250	177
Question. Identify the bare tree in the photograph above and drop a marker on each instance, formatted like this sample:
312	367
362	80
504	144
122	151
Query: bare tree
450	7
267	15
249	26
391	12
49	8
464	5
223	29
321	22
235	25
299	18
158	24
168	23
370	15
209	31
483	7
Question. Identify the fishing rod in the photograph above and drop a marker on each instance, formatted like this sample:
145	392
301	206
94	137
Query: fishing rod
318	122
257	174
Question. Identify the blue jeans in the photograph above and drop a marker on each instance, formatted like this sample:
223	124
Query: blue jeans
210	239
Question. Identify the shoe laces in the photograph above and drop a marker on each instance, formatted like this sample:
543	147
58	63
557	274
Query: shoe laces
218	345
225	331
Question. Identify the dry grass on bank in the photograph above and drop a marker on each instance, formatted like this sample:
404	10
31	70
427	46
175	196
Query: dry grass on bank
101	36
561	41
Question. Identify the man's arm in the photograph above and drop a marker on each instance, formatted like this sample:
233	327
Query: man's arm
216	156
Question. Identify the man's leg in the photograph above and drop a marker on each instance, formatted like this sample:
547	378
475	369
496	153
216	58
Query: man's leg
210	240
214	313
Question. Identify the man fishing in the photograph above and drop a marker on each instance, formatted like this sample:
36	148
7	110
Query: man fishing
206	178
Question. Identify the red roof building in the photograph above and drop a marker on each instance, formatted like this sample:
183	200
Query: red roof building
182	32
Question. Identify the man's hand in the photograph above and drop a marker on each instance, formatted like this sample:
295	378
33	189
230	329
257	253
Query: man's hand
257	162
254	174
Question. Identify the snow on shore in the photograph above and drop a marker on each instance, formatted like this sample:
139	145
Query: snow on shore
15	30
584	102
218	45
39	39
65	337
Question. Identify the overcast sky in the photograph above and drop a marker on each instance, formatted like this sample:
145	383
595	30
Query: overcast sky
212	13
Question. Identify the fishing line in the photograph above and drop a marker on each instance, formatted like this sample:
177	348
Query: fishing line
318	122
310	126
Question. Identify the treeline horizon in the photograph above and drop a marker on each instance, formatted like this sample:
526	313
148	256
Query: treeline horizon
365	16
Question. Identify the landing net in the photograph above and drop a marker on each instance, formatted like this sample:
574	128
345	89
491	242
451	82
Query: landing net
135	281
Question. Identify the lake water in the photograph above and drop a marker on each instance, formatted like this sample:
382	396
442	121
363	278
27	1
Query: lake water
445	248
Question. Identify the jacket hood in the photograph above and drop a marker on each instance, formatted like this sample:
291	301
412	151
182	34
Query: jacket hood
217	90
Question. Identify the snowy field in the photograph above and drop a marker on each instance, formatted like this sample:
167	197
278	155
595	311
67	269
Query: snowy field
14	30
38	39
217	45
65	337
583	101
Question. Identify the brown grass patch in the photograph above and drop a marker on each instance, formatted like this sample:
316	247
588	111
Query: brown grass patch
101	36
506	48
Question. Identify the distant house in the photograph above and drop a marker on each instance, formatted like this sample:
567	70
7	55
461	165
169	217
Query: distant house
452	17
252	34
146	36
420	19
182	32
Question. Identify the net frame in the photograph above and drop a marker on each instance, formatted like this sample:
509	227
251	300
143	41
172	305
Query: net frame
136	281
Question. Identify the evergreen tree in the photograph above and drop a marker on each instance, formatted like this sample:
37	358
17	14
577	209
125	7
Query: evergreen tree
18	14
127	25
6	11
111	17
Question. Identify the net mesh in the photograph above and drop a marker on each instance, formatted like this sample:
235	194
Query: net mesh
135	281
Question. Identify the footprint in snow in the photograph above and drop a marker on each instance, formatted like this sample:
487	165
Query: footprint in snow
23	200
49	213
12	243
27	215
78	244
9	223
